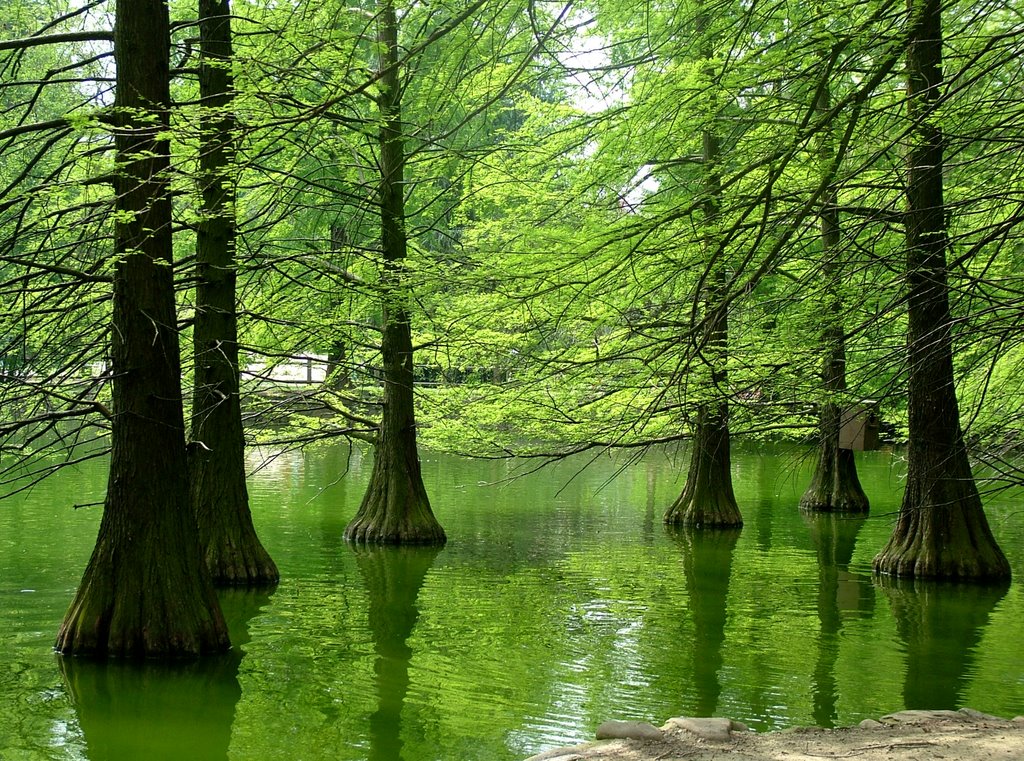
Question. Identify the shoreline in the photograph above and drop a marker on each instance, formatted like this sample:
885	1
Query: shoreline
913	735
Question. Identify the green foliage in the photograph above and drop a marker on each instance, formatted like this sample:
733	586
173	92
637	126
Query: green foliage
557	210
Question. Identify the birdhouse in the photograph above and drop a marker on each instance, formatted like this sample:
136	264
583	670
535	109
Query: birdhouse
858	427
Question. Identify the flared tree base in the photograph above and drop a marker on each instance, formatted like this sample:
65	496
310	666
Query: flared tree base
232	550
714	509
157	606
395	508
835	487
943	534
708	500
243	563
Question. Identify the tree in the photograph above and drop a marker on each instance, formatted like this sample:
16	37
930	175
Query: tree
834	486
232	549
145	591
941	531
707	498
395	509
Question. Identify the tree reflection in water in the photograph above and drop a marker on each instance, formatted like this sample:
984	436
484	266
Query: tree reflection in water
707	565
131	710
941	626
840	594
393	578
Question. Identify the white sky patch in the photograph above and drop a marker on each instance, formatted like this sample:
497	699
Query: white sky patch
586	63
643	184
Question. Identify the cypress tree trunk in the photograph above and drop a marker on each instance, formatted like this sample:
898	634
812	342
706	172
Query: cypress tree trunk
233	552
145	591
339	371
395	509
707	498
941	531
834	486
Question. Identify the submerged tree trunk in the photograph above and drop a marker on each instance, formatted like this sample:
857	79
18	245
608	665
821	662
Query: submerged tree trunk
395	509
233	551
145	592
834	486
942	531
707	498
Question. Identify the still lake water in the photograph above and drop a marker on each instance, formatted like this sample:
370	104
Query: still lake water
560	601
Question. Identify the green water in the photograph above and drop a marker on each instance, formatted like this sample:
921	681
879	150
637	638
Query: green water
559	601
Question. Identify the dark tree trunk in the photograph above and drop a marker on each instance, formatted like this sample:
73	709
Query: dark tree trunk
942	531
395	509
145	592
834	486
233	552
339	376
339	372
707	499
118	705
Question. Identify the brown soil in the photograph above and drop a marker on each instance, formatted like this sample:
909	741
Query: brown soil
906	736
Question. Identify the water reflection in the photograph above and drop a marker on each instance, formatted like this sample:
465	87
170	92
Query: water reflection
163	711
840	593
393	577
941	626
707	565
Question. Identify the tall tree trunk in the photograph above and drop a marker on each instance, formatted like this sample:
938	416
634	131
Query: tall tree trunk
145	592
233	552
942	531
834	486
339	371
707	498
395	509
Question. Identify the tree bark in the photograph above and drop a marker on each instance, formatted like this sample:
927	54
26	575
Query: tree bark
233	551
707	499
834	486
145	591
395	509
339	370
941	531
